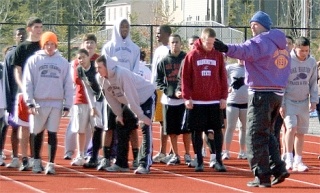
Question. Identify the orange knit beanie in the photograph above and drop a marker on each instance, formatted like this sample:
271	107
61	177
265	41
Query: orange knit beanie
48	36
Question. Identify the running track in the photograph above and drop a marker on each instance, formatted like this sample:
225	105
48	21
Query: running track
162	178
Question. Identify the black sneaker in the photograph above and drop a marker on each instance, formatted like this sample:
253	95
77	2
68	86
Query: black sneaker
25	164
280	178
219	167
257	183
90	164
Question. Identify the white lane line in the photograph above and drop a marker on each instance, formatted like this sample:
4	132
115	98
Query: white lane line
22	184
200	180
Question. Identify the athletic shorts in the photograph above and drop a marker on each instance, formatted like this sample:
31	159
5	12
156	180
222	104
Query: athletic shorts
21	114
297	115
81	118
129	118
204	117
46	118
158	116
173	118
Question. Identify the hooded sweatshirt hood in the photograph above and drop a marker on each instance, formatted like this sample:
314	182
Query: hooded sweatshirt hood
116	35
125	50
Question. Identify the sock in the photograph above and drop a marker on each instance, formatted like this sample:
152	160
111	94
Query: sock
37	144
96	143
106	152
52	146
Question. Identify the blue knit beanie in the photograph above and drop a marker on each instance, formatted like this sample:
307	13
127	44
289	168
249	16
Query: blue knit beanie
262	18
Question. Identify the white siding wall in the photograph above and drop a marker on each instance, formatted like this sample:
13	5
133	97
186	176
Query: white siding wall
196	8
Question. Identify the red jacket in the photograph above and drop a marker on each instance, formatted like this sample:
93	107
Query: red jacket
204	76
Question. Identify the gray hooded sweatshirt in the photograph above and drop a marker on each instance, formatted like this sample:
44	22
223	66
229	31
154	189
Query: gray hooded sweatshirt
125	87
47	81
126	52
302	83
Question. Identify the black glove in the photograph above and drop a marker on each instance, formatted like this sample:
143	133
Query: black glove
220	46
239	82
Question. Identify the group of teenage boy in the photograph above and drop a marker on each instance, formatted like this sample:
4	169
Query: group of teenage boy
110	98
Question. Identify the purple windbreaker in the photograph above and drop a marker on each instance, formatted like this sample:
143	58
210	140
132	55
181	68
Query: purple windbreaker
267	61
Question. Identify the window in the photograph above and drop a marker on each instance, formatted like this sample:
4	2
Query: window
114	13
121	12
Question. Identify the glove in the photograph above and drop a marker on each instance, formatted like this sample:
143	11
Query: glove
220	46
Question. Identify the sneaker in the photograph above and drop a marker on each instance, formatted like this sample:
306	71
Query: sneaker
68	155
280	178
104	163
225	155
199	168
257	183
212	161
174	160
24	165
166	159
283	157
219	167
135	164
3	156
50	168
242	156
187	158
31	160
142	170
78	161
2	163
193	163
14	163
289	164
158	157
299	167
116	168
90	164
37	166
204	152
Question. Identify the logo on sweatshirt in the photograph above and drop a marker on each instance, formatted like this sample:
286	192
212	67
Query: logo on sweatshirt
281	58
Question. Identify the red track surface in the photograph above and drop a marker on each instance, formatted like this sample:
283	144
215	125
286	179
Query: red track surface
162	178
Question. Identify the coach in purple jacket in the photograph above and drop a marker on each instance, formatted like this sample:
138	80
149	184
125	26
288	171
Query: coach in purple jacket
267	65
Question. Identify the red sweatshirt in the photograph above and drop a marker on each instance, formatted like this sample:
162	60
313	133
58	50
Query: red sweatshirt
204	76
80	95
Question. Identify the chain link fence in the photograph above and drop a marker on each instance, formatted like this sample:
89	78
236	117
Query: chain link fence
70	35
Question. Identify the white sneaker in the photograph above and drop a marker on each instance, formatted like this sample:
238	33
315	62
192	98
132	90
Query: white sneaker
242	156
116	168
37	166
104	163
212	161
142	170
299	167
30	162
225	155
158	157
50	168
166	159
3	156
193	163
2	163
78	161
14	163
174	160
289	164
187	158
